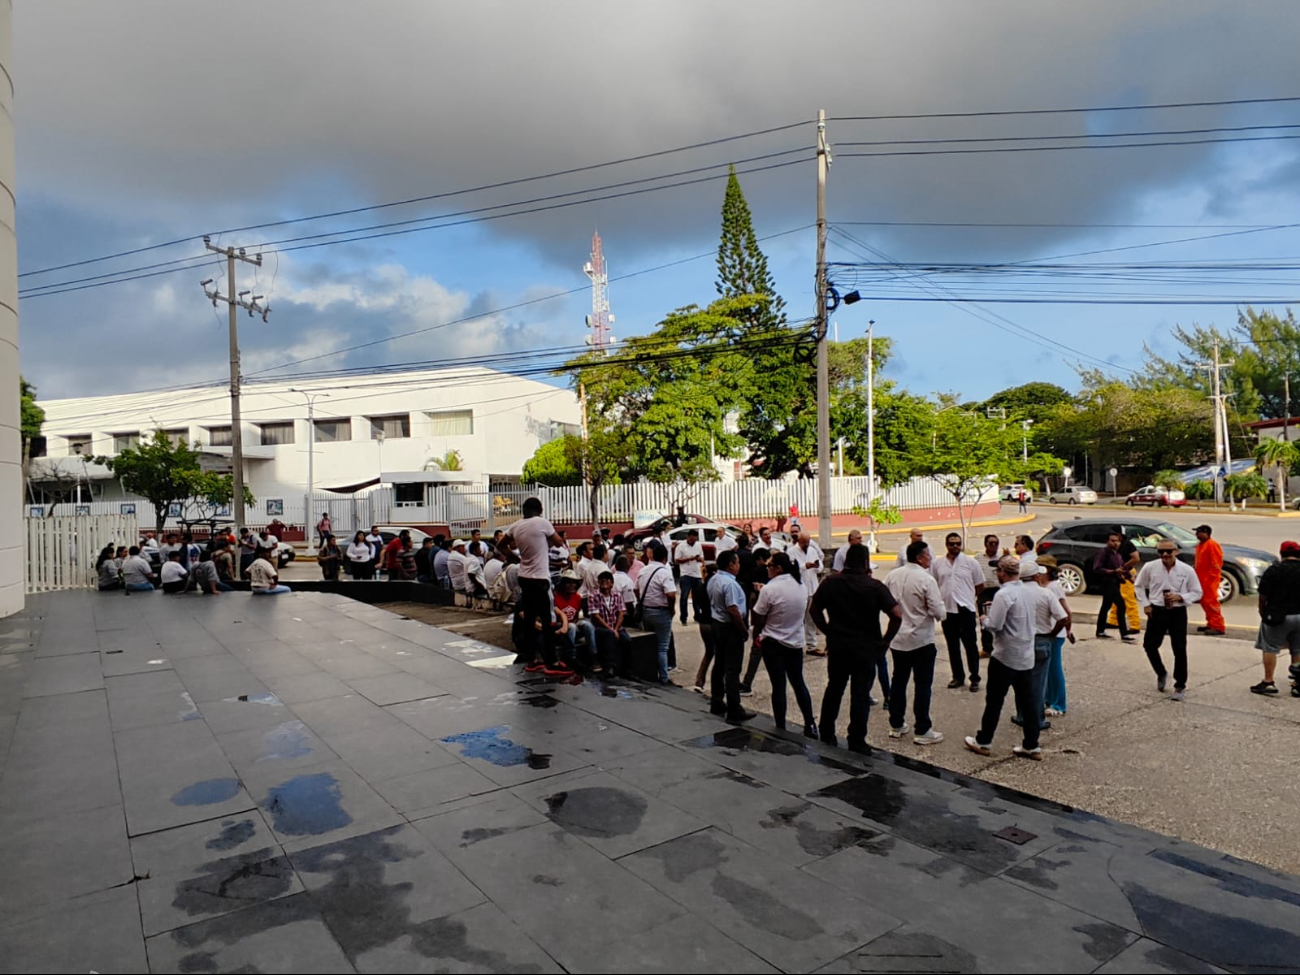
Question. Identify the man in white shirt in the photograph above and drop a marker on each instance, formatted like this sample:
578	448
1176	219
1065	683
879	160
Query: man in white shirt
534	538
765	540
657	590
724	543
1165	588
137	572
914	536
1012	620
1049	618
1024	549
376	543
921	605
989	565
173	573
961	580
458	566
808	556
623	584
689	559
841	553
264	579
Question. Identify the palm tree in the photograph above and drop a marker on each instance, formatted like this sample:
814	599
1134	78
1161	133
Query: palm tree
450	461
1284	455
1168	479
1243	486
1199	491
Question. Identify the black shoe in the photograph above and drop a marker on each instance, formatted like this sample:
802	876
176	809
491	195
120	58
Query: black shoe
1103	636
1018	721
741	715
1044	725
861	747
720	711
831	740
958	683
810	730
1264	687
974	685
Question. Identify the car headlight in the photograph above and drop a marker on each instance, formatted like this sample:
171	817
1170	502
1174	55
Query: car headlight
1256	566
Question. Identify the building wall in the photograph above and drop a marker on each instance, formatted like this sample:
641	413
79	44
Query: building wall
11	480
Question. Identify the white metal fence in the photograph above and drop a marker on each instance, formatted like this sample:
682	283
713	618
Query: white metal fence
60	550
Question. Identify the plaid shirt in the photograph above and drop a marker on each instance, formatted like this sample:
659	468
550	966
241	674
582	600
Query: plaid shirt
607	607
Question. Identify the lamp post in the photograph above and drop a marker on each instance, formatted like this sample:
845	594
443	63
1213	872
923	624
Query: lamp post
1024	439
311	457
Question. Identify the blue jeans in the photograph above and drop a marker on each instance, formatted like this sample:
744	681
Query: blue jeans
1038	687
660	621
273	591
1055	696
586	630
139	587
692	588
882	672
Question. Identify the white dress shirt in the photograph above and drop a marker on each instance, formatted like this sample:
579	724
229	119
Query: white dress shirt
1155	580
841	553
810	562
684	556
920	602
625	587
656	586
957	580
590	570
1011	621
1047	608
724	543
783	601
457	566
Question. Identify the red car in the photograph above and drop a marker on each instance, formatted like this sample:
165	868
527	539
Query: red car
1156	496
639	536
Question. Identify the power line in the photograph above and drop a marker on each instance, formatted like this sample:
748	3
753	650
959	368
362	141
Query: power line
1070	111
1081	226
1076	135
1111	145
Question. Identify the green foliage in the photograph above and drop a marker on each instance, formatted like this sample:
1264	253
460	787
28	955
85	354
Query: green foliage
32	416
1202	490
1283	455
1249	485
552	464
450	461
1169	479
1031	401
742	265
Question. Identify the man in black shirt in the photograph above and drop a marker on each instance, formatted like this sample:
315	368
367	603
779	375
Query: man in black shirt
1279	613
854	601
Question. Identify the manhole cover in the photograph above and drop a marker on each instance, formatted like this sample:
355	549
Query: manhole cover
1016	835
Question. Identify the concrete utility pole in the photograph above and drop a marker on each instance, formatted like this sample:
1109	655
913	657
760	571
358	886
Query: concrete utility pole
823	352
235	301
307	517
1222	456
871	411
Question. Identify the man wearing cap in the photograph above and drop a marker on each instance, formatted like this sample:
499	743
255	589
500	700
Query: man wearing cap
1012	618
458	565
1165	588
1209	570
1279	616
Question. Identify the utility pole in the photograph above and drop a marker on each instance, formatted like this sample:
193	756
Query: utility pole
235	302
308	523
1024	440
1220	420
1286	406
871	411
823	352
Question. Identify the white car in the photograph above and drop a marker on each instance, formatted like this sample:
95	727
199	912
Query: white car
1073	494
1011	492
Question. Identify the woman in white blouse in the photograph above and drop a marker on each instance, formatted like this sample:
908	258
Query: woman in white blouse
359	555
779	630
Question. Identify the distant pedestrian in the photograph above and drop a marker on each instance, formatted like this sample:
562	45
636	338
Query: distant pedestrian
961	580
330	558
1024	501
376	542
1165	589
914	536
689	559
730	631
1108	569
1128	551
1279	618
854	645
1209	570
359	553
806	554
913	649
324	528
779	629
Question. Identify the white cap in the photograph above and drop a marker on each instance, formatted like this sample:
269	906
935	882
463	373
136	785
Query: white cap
1029	568
458	543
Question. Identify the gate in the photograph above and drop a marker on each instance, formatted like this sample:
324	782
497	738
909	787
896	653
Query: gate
61	550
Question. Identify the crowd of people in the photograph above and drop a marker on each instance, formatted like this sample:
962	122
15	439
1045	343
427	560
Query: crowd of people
179	564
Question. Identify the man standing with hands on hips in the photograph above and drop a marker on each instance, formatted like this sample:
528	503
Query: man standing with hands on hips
1209	571
1165	589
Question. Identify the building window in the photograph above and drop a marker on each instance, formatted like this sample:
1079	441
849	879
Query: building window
452	423
408	495
390	427
333	431
79	443
274	434
219	436
36	447
179	436
125	441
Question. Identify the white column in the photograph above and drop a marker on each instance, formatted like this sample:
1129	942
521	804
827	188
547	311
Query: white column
11	480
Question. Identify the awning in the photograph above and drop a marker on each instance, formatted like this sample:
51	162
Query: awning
352	488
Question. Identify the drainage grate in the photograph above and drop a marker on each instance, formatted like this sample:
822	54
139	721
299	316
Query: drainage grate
1016	835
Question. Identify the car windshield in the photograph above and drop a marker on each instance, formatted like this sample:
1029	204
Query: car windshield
1173	531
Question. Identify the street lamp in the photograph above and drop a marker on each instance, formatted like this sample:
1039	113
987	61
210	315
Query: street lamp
311	457
1024	439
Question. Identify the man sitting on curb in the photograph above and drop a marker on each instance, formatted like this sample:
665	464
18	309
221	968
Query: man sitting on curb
137	573
265	579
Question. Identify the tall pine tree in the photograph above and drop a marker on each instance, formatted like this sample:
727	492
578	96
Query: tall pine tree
742	266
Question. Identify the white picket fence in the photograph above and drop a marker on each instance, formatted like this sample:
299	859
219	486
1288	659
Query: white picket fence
61	550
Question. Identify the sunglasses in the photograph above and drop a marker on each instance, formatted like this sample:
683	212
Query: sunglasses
1167	551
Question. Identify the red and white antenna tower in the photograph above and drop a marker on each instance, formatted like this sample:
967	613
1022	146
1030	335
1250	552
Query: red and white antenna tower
600	320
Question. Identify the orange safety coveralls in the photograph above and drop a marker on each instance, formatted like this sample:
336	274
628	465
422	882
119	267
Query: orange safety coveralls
1209	569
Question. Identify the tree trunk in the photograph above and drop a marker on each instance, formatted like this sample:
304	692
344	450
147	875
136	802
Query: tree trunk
593	499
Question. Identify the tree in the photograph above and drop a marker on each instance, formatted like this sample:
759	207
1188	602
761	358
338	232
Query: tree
552	465
163	472
450	461
1283	455
742	266
31	419
1198	491
1031	401
1168	478
1243	486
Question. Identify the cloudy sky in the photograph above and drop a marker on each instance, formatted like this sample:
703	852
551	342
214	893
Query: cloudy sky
142	121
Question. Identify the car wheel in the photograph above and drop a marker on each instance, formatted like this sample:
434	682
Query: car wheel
1074	501
1052	500
1070	576
1129	501
1228	587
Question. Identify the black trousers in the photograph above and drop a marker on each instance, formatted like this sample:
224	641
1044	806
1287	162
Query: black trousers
1174	622
1001	679
785	663
729	655
917	665
982	601
959	632
534	607
1112	596
854	668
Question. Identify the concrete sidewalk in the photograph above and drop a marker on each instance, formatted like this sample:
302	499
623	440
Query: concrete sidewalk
307	784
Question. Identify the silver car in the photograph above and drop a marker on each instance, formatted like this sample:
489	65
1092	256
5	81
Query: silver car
1073	494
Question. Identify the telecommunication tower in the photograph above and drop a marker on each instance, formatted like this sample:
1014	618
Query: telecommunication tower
600	319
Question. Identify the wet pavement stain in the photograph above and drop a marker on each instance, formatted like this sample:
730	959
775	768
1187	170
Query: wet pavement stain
288	740
268	699
488	745
231	929
232	834
877	797
1035	872
687	855
597	811
364	912
207	793
234	883
544	880
1229	880
1235	943
1169	960
738	777
471	836
904	951
307	805
540	701
1104	941
762	910
812	840
942	867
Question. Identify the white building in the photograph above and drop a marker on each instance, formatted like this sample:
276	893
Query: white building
368	428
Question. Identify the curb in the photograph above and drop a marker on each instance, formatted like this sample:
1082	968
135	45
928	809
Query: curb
1236	631
1262	512
985	523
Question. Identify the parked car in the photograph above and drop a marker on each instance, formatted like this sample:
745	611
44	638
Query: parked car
639	536
1073	494
1156	496
1074	544
389	532
1011	492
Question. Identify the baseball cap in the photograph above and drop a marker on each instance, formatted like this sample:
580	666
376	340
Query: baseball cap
1290	548
1009	564
1203	528
1028	569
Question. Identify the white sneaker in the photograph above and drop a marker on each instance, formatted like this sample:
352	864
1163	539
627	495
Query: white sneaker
1020	751
931	737
1054	713
899	732
1178	695
873	701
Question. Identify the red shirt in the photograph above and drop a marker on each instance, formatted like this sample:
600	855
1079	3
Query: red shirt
392	554
568	605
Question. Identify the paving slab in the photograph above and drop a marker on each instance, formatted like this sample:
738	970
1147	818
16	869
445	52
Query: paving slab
96	933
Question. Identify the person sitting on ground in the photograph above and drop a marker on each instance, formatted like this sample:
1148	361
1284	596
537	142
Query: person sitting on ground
493	568
265	579
577	631
171	543
223	560
441	574
424	560
606	610
207	580
1279	618
358	554
558	557
330	558
120	556
110	576
457	561
475	581
137	573
174	575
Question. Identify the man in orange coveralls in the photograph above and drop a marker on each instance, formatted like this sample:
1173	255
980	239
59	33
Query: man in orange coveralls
1209	569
